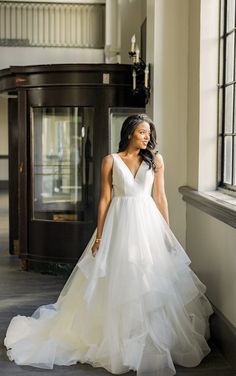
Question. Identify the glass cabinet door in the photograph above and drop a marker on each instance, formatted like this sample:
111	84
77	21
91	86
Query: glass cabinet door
62	163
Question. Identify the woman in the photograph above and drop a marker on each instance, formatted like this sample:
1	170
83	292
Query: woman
131	302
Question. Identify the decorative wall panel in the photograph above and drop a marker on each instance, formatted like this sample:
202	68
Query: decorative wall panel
52	24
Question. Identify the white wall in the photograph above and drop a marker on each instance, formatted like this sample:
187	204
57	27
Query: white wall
193	94
202	98
39	55
167	42
208	95
132	14
211	247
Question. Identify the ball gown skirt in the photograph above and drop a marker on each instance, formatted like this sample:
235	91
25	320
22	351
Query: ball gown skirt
136	305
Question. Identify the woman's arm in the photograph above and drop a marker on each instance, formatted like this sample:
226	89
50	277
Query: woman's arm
105	197
159	195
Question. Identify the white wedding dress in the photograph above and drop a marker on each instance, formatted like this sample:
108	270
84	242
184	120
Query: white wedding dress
137	305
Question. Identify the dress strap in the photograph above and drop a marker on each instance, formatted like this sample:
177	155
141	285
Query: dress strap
114	155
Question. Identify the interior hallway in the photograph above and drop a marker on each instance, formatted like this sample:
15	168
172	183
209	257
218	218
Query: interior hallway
22	292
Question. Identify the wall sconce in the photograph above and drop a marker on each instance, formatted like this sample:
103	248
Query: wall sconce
140	72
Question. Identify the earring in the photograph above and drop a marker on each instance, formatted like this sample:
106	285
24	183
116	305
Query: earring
129	136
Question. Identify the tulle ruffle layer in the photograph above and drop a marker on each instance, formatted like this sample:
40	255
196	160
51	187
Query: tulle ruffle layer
136	306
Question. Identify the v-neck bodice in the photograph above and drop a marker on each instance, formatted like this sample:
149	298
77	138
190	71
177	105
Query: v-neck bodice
126	184
134	176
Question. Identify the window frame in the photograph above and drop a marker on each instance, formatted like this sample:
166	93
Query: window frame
223	84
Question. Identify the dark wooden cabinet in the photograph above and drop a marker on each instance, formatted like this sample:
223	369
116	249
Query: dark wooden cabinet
62	118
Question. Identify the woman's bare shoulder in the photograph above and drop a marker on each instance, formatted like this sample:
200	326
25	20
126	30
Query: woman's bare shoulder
107	161
108	158
159	161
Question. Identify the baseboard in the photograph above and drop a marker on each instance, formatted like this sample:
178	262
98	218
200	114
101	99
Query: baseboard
3	184
223	334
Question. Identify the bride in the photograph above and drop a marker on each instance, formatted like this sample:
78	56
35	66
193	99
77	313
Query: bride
132	301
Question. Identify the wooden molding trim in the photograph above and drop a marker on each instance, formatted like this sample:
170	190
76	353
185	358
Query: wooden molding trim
210	205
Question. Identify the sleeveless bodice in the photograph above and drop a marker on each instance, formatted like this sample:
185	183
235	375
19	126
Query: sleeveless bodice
126	184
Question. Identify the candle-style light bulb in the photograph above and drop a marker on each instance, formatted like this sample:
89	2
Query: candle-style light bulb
134	79
146	74
137	54
133	41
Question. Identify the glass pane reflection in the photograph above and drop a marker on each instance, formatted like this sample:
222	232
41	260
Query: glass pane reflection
62	163
227	160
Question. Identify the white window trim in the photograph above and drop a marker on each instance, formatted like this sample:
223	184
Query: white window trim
213	203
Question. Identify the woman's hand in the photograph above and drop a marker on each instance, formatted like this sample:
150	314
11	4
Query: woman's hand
95	248
105	198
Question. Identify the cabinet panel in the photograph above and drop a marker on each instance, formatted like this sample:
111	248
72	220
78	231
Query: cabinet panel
62	163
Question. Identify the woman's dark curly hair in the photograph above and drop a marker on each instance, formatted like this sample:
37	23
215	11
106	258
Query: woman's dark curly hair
128	128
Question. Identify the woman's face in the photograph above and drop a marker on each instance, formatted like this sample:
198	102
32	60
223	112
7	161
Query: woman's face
141	135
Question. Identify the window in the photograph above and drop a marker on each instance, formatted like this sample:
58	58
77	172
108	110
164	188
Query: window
227	97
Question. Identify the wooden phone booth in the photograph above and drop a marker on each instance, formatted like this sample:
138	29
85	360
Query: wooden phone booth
62	120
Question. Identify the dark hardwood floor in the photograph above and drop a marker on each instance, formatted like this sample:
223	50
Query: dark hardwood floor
22	292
